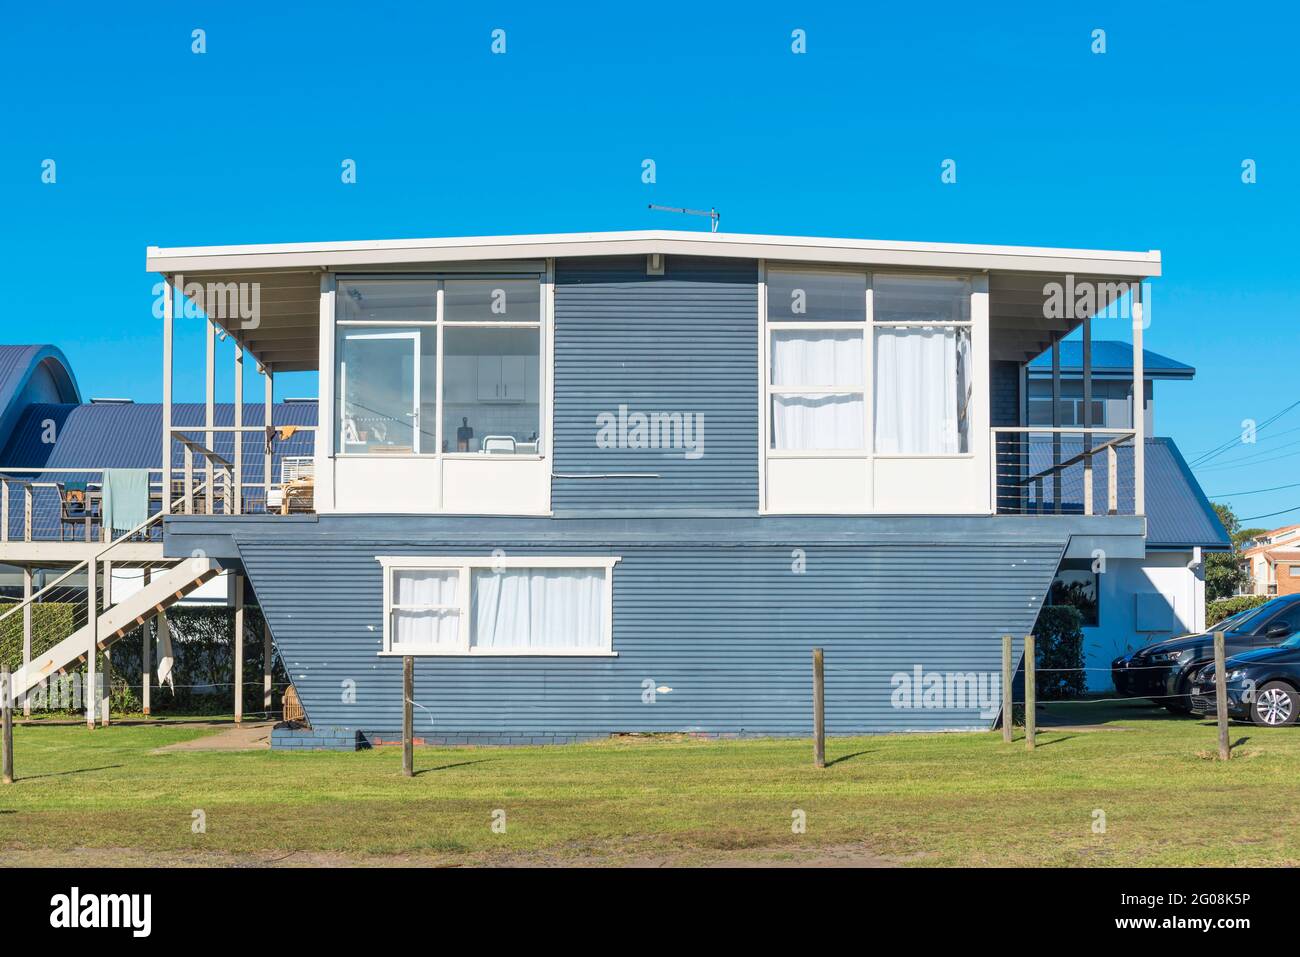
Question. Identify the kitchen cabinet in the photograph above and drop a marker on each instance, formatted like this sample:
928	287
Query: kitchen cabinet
503	378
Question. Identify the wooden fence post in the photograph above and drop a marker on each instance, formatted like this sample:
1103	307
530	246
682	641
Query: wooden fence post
408	730
1006	689
819	710
7	719
1221	696
1030	694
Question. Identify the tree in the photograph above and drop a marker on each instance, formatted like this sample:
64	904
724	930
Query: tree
1225	572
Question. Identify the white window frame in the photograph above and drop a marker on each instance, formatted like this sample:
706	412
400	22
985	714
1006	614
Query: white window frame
968	324
465	566
436	325
868	388
862	328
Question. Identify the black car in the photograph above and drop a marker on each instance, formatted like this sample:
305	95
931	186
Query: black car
1163	671
1261	685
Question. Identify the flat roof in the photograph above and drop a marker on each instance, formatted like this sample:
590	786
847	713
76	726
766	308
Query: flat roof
388	252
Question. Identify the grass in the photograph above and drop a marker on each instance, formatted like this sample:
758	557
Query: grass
934	799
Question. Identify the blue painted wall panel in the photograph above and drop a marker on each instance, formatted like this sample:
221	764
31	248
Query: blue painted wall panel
728	627
683	342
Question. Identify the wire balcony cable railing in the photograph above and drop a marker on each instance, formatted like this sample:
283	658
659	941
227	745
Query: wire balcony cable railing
1040	470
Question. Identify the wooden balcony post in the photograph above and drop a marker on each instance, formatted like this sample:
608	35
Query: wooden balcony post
1056	424
168	303
1112	481
1139	406
239	430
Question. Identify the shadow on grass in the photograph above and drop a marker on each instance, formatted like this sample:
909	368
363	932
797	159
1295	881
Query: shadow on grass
848	757
448	767
61	774
1040	743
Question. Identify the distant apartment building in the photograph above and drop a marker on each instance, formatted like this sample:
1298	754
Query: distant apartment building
1274	562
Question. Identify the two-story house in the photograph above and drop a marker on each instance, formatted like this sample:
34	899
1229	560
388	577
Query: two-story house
624	482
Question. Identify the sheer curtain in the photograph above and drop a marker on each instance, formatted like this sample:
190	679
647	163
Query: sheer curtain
916	390
817	420
538	608
414	623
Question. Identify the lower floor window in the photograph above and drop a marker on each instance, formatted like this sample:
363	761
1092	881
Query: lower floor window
1075	585
498	606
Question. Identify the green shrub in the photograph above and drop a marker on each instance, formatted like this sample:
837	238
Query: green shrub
1058	653
1221	608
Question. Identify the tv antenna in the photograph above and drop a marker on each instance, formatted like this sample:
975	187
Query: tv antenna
713	214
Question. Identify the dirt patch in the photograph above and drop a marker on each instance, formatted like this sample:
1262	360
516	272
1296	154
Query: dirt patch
250	736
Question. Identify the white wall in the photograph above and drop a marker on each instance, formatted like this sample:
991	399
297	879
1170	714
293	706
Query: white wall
1163	574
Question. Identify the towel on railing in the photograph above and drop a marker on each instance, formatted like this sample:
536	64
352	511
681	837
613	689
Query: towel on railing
126	499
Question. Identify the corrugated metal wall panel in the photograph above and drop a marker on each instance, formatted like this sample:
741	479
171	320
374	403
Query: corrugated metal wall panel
684	342
729	629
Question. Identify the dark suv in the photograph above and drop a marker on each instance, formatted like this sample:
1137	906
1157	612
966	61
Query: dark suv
1163	671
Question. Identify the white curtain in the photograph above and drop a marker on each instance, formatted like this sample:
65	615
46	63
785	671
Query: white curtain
816	358
416	625
817	421
916	390
539	608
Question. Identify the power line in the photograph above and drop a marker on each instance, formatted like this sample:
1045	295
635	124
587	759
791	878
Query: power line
1220	449
1255	492
1246	463
1251	518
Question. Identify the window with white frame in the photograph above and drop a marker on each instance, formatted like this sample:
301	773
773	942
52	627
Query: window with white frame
842	341
439	366
498	606
922	346
816	377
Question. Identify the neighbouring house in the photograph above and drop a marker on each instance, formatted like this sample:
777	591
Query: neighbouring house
1136	601
626	482
1273	561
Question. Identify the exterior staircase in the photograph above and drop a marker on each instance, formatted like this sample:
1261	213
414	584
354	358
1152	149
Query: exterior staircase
53	629
163	591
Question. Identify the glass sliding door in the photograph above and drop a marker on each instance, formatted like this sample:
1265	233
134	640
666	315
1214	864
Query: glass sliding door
377	387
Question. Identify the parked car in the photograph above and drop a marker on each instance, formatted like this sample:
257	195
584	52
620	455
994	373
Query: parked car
1262	686
1163	671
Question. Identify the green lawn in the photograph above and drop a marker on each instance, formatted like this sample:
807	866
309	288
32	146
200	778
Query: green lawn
102	797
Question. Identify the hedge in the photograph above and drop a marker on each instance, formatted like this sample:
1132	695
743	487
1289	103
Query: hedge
1222	608
1058	653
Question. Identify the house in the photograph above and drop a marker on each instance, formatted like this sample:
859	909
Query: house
1273	562
1161	595
626	482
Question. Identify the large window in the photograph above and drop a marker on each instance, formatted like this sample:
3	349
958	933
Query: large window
923	387
498	606
816	322
824	373
439	366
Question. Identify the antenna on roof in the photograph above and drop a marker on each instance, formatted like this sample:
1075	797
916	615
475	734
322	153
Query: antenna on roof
713	214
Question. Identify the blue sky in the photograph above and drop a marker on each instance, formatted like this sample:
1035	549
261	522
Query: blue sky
1137	148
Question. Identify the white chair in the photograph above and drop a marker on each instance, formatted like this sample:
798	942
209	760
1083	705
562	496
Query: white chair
498	444
294	469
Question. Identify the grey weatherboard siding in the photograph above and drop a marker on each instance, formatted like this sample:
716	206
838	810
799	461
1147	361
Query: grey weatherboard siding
727	625
686	342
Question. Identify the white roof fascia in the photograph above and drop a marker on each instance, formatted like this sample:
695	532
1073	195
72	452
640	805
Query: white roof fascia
343	255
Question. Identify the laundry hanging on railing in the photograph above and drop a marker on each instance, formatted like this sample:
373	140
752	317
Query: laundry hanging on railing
126	499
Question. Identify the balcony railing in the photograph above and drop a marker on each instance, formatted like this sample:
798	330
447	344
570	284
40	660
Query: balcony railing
42	504
1063	471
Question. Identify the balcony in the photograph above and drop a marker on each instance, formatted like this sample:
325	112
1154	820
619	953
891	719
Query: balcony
1065	471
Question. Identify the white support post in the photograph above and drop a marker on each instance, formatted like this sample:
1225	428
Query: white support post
1056	424
27	633
27	512
167	396
1087	415
267	663
238	499
1139	407
209	413
146	655
267	412
239	647
90	691
4	510
107	692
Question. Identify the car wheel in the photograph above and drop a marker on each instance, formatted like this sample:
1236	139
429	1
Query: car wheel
1178	707
1275	705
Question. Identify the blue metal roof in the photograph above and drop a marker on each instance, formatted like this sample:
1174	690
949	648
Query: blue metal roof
17	366
1179	516
1110	358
